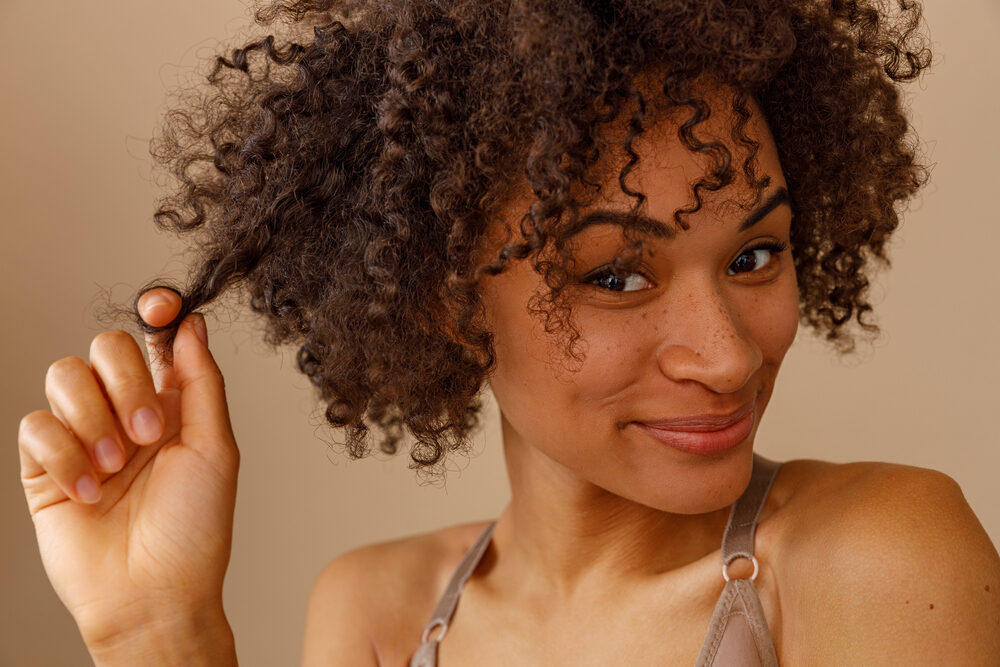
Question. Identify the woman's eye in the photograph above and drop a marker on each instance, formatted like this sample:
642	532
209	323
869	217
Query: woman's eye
754	259
631	282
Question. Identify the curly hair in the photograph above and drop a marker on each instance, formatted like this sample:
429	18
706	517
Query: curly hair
345	173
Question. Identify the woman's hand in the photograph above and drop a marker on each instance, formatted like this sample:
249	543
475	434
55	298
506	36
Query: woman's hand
131	483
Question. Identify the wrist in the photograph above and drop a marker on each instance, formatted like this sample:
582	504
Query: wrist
194	638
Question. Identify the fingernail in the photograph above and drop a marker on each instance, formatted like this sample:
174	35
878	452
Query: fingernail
155	301
109	456
200	328
87	489
146	425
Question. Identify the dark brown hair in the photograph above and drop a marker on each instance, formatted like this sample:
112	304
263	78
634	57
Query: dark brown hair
345	173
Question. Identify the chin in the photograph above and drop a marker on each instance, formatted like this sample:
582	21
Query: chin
707	484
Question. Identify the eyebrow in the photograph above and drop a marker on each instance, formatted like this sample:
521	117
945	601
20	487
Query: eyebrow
661	229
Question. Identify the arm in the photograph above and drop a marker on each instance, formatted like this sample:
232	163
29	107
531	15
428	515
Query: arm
338	617
193	640
902	573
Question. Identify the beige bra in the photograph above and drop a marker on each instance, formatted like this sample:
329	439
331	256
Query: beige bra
737	636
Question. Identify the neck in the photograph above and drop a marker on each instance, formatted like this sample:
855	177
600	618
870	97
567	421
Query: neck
566	535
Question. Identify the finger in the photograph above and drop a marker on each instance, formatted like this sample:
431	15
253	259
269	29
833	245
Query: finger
117	359
159	307
50	454
204	413
76	399
116	486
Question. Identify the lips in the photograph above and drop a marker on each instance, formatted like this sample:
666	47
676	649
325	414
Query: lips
703	423
704	433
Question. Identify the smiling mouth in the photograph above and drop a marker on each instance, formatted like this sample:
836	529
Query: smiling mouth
705	433
703	423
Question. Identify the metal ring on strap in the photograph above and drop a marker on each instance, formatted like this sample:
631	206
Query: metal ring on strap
753	559
433	624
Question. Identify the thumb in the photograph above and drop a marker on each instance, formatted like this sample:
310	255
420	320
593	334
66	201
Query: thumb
205	424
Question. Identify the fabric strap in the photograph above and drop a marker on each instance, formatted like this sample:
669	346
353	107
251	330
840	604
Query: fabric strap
738	635
738	616
426	655
737	541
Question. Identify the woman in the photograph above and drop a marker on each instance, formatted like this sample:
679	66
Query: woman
399	194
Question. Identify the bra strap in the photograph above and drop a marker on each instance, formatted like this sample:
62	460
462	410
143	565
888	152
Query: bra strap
738	621
737	541
445	609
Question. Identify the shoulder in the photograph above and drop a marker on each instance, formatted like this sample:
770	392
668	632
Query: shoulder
881	560
380	595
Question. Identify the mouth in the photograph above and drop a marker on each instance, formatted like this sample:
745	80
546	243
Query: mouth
703	433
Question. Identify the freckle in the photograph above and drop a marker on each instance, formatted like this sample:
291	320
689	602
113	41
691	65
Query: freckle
987	588
907	602
932	605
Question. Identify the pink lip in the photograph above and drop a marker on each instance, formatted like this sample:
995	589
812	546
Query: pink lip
703	434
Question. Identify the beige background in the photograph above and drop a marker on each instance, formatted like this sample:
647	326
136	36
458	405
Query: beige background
84	85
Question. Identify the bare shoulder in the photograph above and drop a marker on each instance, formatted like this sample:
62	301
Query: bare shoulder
376	597
883	562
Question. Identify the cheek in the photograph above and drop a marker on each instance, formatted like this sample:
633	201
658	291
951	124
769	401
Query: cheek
775	319
524	369
619	347
532	365
540	390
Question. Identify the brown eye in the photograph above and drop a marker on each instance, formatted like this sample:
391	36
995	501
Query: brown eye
609	280
753	259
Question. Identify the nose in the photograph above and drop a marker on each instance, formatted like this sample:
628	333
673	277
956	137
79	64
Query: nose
705	343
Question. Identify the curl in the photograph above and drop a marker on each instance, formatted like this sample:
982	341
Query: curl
344	175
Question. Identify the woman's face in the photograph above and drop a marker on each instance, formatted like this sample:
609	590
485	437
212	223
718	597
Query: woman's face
700	328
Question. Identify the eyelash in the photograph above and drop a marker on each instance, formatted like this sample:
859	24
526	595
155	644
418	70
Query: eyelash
774	246
607	271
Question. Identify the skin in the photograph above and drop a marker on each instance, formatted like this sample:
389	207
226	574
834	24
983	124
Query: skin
139	565
608	552
594	498
601	510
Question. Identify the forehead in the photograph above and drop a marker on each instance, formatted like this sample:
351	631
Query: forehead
666	168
